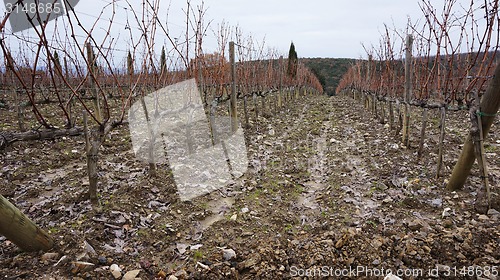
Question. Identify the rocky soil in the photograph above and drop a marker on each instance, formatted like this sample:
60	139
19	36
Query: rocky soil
329	191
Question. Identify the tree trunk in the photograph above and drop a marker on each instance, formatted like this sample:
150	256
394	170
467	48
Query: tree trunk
490	103
21	230
92	158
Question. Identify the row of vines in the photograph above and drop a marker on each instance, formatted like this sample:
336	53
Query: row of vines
66	77
454	49
83	72
446	60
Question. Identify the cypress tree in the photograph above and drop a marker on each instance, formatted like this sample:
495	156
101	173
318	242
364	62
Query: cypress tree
163	60
57	62
292	62
130	64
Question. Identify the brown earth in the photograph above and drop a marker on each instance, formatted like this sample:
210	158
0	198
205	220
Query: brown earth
329	190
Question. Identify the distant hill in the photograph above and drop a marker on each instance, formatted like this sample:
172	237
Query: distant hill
329	70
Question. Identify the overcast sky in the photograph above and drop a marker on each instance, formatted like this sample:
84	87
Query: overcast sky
318	28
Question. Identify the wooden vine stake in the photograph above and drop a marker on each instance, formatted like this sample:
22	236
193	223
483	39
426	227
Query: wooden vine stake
20	110
391	116
245	111
151	136
442	126
476	133
382	113
256	107
422	133
234	113
400	119
19	229
408	89
17	93
280	92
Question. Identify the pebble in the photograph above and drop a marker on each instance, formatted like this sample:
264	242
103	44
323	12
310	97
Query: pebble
181	274
446	212
245	210
116	271
79	267
483	218
493	212
437	202
49	256
447	223
251	261
228	254
390	276
131	275
415	225
102	260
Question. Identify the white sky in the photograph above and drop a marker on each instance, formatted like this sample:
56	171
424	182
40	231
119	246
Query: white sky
318	28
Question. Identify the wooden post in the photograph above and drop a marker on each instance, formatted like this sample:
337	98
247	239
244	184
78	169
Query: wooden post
391	116
256	107
400	119
201	83
477	136
382	112
442	126
9	62
151	159
245	110
281	82
19	229
263	104
20	110
234	113
422	132
213	126
408	90
66	69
